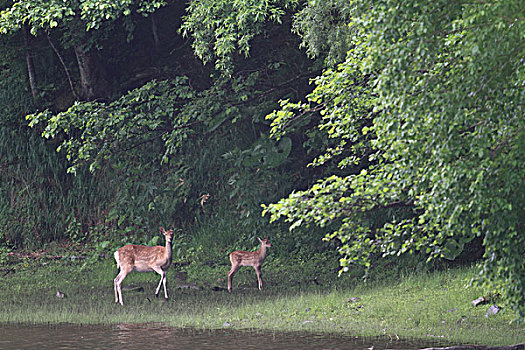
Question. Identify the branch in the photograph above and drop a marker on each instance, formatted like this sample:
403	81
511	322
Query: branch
360	207
506	140
472	127
178	127
66	70
303	113
278	86
134	145
395	205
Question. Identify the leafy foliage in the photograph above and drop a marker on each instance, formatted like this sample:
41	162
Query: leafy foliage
444	147
221	29
47	15
96	131
323	26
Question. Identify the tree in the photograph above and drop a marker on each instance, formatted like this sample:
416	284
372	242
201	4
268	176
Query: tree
81	25
156	145
428	108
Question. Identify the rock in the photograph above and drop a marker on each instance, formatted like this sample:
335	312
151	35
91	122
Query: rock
352	300
461	320
190	285
479	301
493	310
181	276
134	288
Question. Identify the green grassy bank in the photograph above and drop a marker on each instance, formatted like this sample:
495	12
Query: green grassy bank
433	306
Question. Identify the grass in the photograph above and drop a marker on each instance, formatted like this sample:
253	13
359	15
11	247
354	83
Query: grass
427	306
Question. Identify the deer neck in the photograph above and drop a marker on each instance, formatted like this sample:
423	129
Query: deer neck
168	248
262	253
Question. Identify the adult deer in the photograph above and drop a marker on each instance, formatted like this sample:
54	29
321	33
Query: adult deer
143	259
241	258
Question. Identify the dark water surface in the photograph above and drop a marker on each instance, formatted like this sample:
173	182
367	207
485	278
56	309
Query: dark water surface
158	336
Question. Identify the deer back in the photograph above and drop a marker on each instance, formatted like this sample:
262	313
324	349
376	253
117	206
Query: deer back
143	258
244	258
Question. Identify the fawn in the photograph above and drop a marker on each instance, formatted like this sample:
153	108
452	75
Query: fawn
241	258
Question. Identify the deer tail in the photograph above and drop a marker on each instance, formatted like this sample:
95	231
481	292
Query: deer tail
117	260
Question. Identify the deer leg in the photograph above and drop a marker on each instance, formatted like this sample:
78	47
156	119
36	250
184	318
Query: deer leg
116	289
259	279
230	276
117	284
116	278
165	281
158	287
162	274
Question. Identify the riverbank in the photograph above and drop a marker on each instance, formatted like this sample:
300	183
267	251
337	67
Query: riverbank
427	306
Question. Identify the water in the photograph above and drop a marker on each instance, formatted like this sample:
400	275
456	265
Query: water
158	336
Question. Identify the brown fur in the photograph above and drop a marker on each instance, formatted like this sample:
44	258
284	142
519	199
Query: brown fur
141	258
242	258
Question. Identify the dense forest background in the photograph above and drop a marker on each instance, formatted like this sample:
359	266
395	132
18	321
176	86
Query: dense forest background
367	128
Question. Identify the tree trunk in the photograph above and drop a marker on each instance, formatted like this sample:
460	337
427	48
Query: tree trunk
155	31
30	66
93	76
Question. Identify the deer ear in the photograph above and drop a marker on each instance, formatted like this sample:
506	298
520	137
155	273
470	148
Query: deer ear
162	229
260	240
